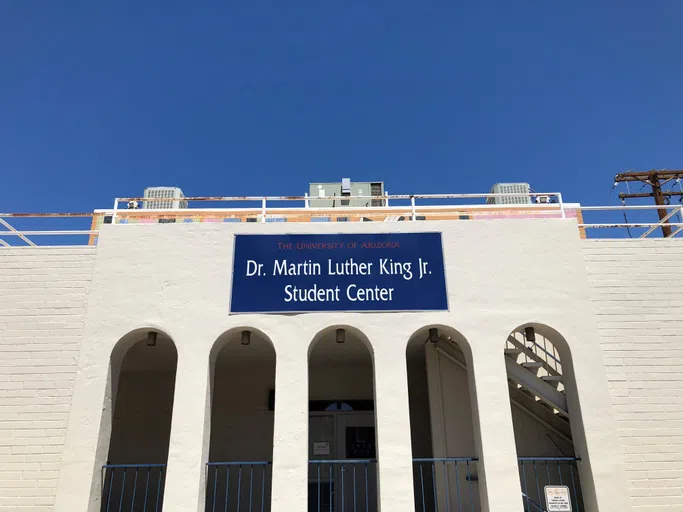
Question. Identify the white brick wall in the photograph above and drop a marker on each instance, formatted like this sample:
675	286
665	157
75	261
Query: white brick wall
43	298
637	291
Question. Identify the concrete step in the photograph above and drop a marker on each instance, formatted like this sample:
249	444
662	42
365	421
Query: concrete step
561	415
532	366
531	381
513	353
553	380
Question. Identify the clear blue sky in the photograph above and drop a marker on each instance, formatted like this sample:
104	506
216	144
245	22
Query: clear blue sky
262	97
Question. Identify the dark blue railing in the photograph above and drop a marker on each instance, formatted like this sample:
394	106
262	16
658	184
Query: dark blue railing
531	505
132	487
537	472
342	485
238	486
447	483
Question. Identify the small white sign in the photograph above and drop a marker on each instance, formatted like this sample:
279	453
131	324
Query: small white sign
557	498
321	448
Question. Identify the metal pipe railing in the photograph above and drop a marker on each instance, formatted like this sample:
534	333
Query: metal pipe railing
415	208
333	198
536	352
537	472
446	483
133	487
238	486
342	485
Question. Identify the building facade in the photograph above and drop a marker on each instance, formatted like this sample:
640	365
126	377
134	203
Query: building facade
126	382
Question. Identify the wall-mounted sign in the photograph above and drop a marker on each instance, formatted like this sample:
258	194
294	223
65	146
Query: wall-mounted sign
557	498
321	448
349	272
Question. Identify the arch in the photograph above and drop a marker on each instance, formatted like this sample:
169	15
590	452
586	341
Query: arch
443	418
446	333
136	419
355	333
242	365
342	420
231	335
123	346
546	413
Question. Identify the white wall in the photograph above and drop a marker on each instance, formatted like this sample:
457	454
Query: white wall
418	394
142	418
449	393
241	424
637	292
43	298
499	278
533	439
333	381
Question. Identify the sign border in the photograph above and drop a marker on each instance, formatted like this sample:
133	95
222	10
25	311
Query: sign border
313	312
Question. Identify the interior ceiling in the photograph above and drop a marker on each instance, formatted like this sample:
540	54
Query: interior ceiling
259	348
327	350
162	356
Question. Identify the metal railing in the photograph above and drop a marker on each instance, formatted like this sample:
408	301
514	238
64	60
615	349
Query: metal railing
540	351
408	203
133	487
642	223
395	208
537	472
31	229
342	485
238	486
446	484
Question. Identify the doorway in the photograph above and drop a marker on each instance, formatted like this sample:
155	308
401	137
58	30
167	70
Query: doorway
343	467
342	447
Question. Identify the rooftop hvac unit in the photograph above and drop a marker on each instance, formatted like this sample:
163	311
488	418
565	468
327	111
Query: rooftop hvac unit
510	188
164	198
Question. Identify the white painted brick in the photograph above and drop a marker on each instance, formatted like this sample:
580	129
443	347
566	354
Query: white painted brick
18	483
21	466
15	502
47	500
42	310
637	294
37	448
47	457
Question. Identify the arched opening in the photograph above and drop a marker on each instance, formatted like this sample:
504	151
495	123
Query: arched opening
442	421
239	472
341	426
540	378
142	372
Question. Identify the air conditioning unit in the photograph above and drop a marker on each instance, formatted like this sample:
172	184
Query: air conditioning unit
164	197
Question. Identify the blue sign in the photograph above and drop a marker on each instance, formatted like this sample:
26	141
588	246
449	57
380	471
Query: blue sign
349	272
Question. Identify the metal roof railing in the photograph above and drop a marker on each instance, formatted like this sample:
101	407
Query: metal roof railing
48	229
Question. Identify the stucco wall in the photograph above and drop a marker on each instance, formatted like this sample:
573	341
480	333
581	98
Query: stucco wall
449	393
637	294
43	298
242	425
499	278
497	281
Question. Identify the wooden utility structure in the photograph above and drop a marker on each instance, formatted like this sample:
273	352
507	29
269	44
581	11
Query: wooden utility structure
656	180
